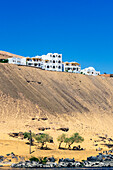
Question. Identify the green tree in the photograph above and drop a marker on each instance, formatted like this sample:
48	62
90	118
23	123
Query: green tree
75	138
27	136
61	139
43	139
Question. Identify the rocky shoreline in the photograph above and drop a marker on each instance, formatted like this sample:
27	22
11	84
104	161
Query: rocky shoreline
99	161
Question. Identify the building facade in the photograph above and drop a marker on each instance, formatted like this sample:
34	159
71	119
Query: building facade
90	71
52	62
71	67
18	61
34	61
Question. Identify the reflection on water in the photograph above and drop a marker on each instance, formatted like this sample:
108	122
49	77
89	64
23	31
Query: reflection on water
8	168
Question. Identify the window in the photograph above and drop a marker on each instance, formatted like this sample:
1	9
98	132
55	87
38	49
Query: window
50	61
53	66
29	64
59	56
54	56
39	64
59	67
92	72
53	61
35	65
59	61
47	66
74	68
77	69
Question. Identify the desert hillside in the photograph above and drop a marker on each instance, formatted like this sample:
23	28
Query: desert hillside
81	103
6	55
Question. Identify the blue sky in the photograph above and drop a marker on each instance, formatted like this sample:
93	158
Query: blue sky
82	30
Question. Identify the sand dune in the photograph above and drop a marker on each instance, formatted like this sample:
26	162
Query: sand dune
82	103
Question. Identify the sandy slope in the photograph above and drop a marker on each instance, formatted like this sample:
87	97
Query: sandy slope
5	55
82	103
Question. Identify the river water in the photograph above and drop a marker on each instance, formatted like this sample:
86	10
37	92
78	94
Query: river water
8	168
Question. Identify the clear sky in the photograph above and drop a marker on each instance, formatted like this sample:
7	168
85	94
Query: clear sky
82	30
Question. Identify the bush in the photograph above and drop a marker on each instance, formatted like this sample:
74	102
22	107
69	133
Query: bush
26	135
34	159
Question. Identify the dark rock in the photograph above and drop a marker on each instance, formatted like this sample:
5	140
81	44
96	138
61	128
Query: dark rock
39	82
51	159
42	128
64	129
43	118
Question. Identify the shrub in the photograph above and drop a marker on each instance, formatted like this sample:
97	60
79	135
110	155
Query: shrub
34	159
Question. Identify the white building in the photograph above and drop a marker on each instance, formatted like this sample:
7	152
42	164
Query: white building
90	71
71	67
52	62
18	61
34	61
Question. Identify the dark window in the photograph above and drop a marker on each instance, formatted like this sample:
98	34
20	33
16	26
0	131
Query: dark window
59	61
77	69
92	72
53	61
59	67
54	56
47	66
35	64
53	66
59	56
39	64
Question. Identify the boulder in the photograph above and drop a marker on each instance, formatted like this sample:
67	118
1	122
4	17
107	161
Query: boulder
64	129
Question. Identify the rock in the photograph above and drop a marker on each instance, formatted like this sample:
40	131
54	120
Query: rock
34	118
21	134
39	82
43	118
51	159
13	134
42	128
64	129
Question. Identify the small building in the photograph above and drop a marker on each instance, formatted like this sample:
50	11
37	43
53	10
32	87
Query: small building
71	67
18	61
90	71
